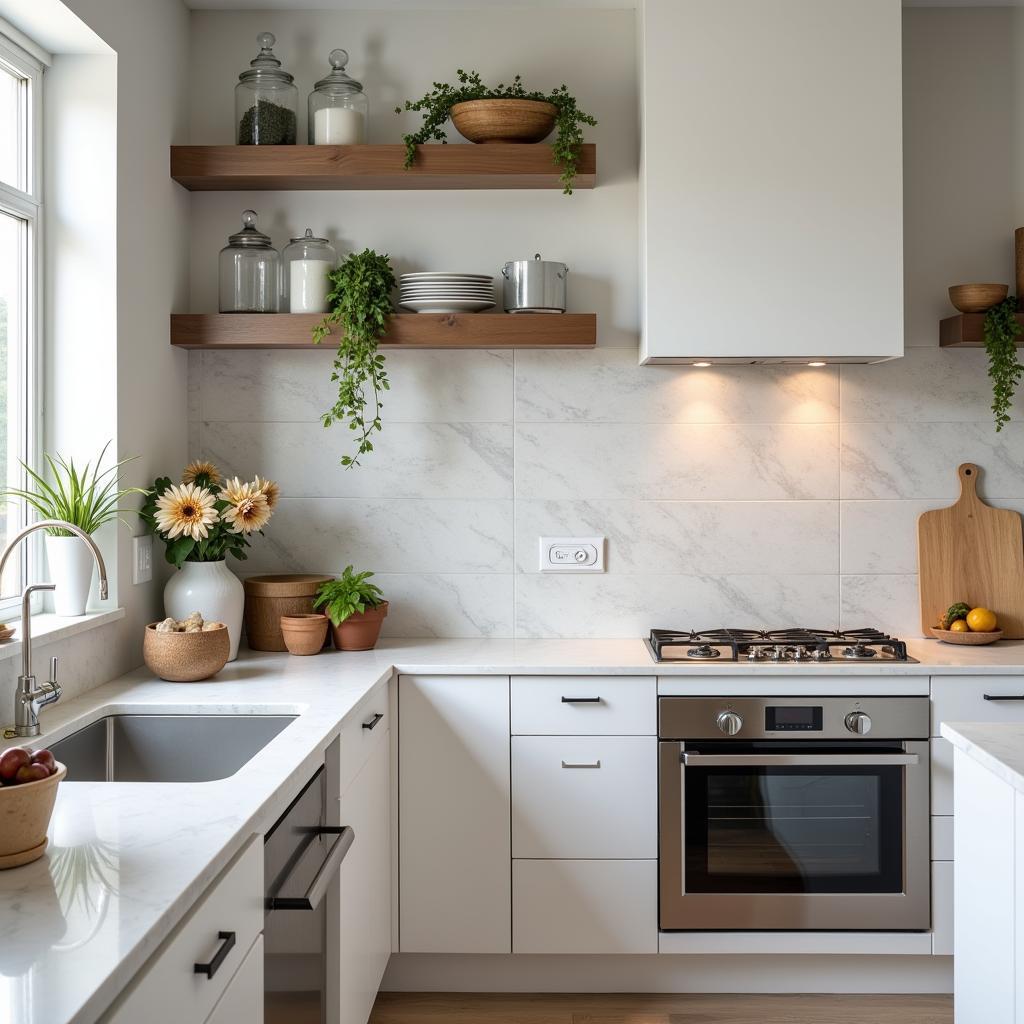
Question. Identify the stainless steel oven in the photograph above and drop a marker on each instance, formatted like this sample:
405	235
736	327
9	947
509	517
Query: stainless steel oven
794	813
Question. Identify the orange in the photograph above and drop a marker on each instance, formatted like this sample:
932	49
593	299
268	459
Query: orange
981	620
960	626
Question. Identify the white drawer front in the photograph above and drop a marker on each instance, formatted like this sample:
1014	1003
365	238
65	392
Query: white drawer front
360	730
168	990
584	797
584	906
584	706
942	776
962	699
942	837
942	908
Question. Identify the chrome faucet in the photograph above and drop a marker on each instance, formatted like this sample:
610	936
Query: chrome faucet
28	699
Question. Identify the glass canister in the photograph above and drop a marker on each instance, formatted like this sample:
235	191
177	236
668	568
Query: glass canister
266	100
337	107
306	263
250	280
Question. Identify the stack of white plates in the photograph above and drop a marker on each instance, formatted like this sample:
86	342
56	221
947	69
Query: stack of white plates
446	293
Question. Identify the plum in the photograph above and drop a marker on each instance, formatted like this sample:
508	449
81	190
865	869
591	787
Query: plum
32	773
12	761
46	759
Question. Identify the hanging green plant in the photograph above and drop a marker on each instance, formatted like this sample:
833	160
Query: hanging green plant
436	106
360	302
1001	330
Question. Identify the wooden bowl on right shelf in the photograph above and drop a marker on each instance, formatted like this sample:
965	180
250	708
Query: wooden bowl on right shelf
949	636
504	120
977	298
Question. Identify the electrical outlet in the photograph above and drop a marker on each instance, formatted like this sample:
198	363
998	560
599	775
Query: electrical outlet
572	554
142	558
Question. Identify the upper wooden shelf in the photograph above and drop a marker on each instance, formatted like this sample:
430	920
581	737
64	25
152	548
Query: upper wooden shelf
967	330
456	166
405	330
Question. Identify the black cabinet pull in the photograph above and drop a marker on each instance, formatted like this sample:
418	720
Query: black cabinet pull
372	723
582	700
1001	696
227	944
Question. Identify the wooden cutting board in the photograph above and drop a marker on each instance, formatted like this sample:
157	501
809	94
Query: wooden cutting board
973	553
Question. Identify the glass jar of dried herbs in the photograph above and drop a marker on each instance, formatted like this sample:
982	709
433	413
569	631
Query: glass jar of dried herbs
266	100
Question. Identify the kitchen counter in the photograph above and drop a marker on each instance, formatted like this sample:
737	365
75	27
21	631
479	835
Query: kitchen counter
996	746
127	860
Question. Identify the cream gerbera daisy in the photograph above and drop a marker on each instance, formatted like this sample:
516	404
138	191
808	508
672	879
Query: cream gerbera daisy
185	511
234	491
249	512
200	467
270	489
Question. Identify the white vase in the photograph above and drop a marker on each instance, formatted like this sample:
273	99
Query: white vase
71	567
211	589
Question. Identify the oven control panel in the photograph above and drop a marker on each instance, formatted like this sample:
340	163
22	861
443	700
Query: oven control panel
793	718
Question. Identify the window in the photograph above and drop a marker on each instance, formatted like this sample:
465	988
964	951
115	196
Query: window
20	266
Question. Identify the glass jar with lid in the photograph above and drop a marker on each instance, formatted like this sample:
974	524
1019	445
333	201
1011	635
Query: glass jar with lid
266	100
304	282
250	280
337	107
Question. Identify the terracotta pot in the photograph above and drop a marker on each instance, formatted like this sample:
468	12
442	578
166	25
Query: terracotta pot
24	818
268	598
484	121
186	657
359	632
304	634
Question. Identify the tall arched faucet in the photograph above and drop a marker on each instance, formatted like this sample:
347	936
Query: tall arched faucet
28	699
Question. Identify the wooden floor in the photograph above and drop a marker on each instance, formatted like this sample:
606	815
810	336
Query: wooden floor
464	1008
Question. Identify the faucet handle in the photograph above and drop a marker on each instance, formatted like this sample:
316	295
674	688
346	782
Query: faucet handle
53	671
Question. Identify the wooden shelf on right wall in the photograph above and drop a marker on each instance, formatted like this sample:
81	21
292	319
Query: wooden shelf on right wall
967	330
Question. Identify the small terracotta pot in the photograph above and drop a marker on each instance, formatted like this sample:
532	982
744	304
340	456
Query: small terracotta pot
510	120
24	818
360	632
304	634
186	657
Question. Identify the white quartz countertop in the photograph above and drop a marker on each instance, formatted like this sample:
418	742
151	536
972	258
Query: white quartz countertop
997	746
127	860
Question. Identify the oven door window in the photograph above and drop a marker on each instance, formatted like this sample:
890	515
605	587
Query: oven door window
793	829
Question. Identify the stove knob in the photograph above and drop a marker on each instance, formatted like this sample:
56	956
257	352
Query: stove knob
729	722
858	722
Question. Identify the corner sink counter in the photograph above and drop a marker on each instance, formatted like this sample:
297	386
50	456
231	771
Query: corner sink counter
128	859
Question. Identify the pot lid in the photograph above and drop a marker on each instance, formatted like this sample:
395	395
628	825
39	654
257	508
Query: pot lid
338	81
265	64
250	234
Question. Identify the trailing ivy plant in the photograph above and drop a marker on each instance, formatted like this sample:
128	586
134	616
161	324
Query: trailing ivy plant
360	304
1001	330
436	104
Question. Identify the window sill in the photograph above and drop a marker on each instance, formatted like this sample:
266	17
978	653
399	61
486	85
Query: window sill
48	628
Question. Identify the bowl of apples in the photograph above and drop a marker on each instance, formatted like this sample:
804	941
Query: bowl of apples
28	788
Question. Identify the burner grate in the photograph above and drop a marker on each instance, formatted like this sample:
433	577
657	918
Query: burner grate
792	644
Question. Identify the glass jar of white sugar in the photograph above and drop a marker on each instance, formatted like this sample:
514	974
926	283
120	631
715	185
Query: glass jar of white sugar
307	262
337	107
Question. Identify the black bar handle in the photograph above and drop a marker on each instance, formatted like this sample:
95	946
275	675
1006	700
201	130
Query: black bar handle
372	723
227	944
1000	696
582	700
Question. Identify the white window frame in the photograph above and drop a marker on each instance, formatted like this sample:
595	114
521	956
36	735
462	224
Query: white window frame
27	205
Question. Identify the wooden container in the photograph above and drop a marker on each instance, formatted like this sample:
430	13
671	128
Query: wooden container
186	657
977	298
485	121
360	632
24	818
951	636
304	634
267	598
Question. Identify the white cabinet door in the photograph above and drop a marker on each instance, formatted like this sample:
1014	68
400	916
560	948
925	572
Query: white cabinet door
455	860
359	919
242	1001
772	170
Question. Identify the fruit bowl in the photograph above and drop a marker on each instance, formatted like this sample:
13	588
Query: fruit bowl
25	812
952	636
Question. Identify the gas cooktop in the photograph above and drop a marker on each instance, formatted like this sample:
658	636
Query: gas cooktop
772	646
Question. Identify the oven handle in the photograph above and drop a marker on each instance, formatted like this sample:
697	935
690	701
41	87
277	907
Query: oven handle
797	760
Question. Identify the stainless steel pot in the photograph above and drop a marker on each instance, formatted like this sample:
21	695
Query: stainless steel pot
534	286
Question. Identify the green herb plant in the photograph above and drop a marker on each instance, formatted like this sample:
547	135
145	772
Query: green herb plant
437	103
360	302
1001	330
87	498
350	595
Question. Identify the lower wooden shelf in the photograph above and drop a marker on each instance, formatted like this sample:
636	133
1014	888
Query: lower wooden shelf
405	330
967	330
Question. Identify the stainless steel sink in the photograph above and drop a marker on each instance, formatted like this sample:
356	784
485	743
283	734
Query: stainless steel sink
165	748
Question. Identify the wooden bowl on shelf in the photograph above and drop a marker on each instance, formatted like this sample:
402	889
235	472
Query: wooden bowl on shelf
511	120
977	298
949	636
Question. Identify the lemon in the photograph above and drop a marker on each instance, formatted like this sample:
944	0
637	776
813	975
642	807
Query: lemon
981	620
960	626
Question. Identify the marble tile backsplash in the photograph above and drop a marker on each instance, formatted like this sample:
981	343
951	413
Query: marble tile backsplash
735	496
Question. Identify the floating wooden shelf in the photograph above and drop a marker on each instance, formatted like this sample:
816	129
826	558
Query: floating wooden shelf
406	330
456	166
967	330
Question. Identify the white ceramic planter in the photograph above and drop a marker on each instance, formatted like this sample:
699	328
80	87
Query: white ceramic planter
211	589
71	567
